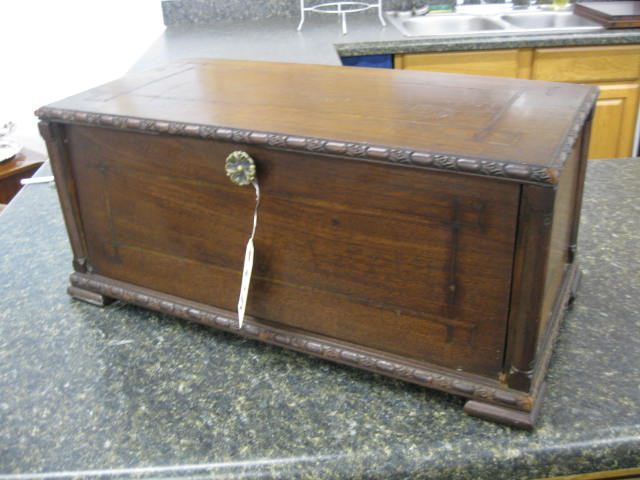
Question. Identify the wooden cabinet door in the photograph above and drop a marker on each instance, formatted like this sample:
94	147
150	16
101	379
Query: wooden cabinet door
614	123
496	63
587	64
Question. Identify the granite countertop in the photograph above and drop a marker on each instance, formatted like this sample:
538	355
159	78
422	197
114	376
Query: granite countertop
121	391
321	41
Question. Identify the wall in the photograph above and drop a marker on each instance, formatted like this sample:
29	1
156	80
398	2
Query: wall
53	49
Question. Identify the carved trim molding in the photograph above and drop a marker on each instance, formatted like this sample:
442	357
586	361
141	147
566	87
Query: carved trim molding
576	128
435	161
450	383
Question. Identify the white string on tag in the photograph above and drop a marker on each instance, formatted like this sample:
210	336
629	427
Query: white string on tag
241	170
248	261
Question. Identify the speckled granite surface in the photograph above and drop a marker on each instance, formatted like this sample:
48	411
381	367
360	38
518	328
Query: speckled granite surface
421	45
321	41
121	391
177	12
181	12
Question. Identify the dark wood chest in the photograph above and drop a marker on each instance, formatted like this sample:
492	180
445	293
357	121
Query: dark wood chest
415	224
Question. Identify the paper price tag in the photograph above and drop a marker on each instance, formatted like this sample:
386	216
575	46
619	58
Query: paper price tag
246	279
248	261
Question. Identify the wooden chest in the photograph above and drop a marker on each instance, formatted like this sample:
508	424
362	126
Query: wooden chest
418	225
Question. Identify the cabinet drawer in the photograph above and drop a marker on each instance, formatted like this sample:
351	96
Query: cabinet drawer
496	63
587	64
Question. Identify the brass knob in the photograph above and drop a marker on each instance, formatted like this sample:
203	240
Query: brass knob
240	168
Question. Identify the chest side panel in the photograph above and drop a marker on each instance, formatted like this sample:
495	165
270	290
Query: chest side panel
564	212
409	262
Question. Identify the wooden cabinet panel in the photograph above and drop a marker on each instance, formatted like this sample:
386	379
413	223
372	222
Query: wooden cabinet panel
439	225
498	63
587	64
614	122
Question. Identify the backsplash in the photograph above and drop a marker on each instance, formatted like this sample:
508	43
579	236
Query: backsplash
180	12
177	12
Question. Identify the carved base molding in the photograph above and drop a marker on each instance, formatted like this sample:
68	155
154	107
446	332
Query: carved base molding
489	400
457	383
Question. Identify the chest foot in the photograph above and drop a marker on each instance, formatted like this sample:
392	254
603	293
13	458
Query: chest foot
89	297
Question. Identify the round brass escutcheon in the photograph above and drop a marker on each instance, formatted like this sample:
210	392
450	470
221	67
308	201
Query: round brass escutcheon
240	168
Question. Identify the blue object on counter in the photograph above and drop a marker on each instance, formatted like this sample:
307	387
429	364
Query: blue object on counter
375	61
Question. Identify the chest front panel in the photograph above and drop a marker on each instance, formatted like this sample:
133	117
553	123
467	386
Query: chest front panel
405	261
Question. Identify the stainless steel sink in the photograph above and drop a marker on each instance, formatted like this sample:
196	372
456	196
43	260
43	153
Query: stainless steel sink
450	25
549	21
510	23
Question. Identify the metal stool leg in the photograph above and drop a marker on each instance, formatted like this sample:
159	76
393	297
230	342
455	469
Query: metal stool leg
344	19
342	8
301	15
384	24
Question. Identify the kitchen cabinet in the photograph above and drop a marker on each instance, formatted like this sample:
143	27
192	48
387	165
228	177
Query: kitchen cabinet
614	121
497	63
586	64
614	69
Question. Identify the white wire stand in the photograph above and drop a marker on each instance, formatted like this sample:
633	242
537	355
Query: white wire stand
341	8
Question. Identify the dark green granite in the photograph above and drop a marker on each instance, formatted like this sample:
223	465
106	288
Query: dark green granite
118	389
321	42
421	45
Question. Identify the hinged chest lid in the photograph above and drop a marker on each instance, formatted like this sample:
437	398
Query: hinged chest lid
511	129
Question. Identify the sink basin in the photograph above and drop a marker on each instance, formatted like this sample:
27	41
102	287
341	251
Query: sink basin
549	21
450	25
460	24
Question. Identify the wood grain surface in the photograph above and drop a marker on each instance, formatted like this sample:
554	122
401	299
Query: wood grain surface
481	117
378	256
443	270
